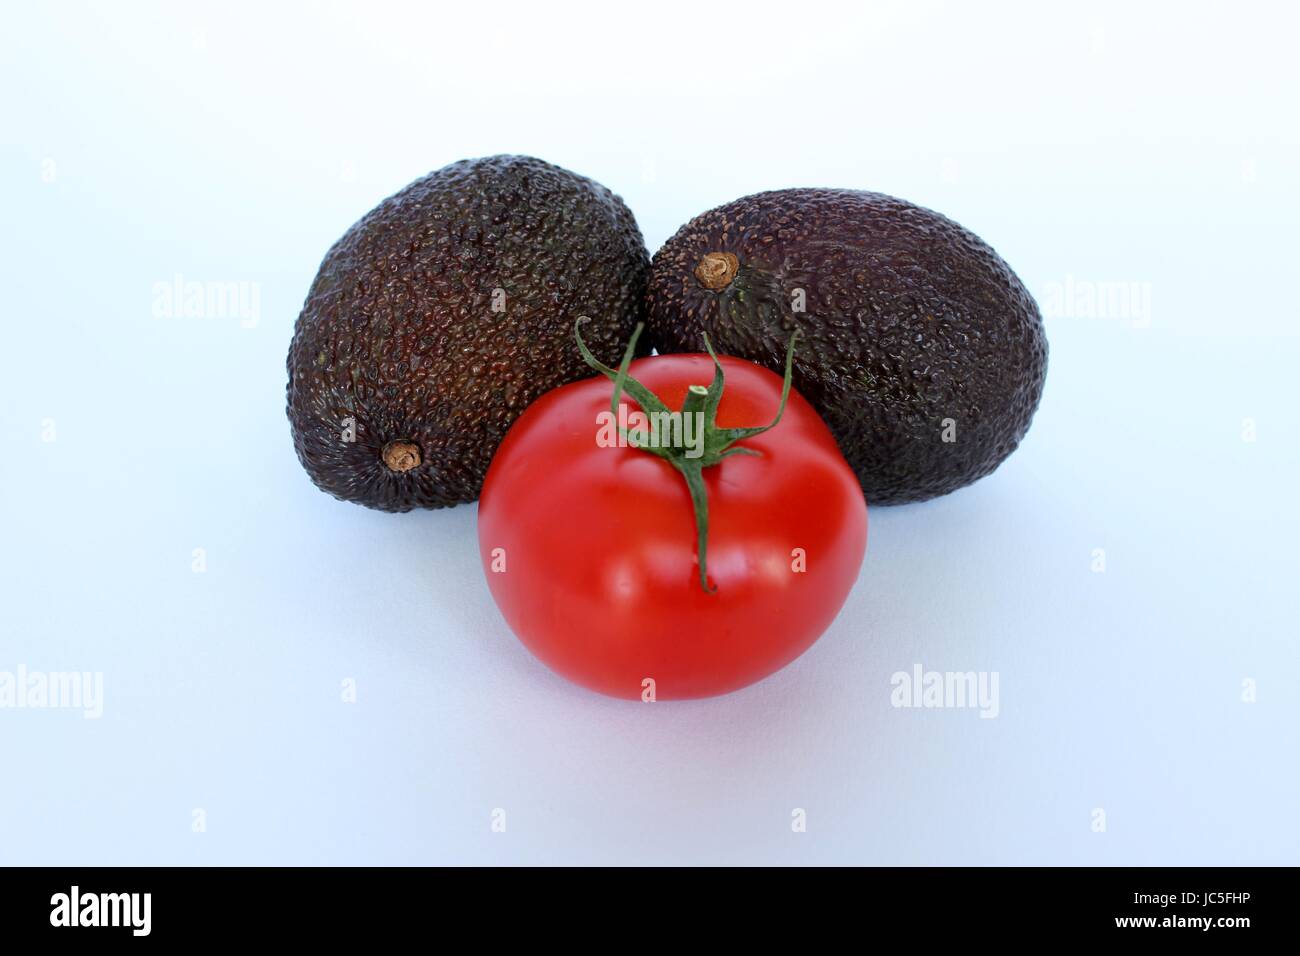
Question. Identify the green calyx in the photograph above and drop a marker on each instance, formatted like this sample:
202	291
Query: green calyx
697	421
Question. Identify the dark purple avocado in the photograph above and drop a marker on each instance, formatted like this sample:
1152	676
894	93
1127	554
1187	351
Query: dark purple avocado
919	346
441	315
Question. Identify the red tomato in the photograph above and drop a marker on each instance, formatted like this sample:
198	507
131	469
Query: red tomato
590	551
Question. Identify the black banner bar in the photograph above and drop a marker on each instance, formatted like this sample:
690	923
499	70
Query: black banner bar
210	905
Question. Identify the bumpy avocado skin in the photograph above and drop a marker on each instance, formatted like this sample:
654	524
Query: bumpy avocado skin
908	321
440	316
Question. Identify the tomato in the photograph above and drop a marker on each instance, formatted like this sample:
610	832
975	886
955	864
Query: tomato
592	549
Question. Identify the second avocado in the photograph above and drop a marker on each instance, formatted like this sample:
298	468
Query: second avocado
921	349
441	315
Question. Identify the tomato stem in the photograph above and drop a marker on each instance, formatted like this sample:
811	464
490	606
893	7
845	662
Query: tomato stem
698	418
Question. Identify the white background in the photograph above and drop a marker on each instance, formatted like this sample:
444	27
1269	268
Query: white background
1108	143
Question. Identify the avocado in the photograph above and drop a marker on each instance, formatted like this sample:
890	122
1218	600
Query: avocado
920	348
442	314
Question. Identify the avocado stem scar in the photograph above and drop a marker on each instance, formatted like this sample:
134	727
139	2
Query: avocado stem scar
401	455
716	270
